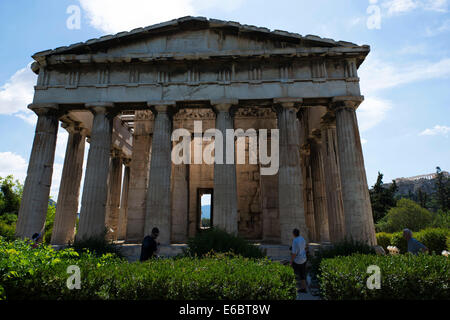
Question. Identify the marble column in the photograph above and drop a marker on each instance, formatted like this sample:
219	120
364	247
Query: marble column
305	163
113	200
290	180
319	196
158	211
180	201
95	190
225	187
33	207
355	193
335	205
139	171
69	187
122	225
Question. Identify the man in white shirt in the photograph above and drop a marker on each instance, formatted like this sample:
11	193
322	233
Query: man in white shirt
298	259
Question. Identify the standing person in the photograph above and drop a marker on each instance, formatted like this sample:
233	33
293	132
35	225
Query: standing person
36	240
414	246
298	259
150	247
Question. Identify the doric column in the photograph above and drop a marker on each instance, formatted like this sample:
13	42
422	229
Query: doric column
336	218
69	188
114	189
225	188
319	196
355	193
290	180
158	211
95	190
180	190
122	226
305	164
34	204
139	171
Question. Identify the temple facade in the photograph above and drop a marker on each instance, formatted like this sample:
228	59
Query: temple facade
125	94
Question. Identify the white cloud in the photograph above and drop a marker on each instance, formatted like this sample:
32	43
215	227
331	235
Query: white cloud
437	130
363	141
400	6
377	75
113	16
12	163
444	27
371	112
17	93
395	7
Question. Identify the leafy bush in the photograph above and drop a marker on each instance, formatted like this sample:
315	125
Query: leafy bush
27	273
97	245
7	230
407	214
343	248
441	219
434	239
402	277
217	240
398	241
384	239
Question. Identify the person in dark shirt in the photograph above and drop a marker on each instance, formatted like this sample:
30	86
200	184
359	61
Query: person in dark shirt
149	245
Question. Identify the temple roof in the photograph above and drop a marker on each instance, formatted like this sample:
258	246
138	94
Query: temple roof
188	23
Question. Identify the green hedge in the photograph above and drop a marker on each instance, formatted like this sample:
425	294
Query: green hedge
384	239
434	239
340	249
402	277
40	273
218	240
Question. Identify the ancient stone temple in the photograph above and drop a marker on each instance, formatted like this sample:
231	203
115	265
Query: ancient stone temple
125	94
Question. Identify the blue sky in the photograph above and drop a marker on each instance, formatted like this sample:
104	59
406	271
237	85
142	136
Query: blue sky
404	121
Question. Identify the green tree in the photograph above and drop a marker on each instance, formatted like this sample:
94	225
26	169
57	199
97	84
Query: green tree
10	195
442	190
422	198
407	214
381	198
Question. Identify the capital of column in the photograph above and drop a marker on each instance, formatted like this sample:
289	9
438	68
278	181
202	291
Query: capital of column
116	153
162	107
44	108
224	105
328	120
346	102
101	108
74	127
293	104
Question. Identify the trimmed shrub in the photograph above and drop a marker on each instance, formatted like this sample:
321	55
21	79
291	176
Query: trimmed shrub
421	277
32	274
384	240
340	249
434	239
217	240
97	245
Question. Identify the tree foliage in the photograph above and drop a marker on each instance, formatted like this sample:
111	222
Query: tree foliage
10	195
407	214
381	198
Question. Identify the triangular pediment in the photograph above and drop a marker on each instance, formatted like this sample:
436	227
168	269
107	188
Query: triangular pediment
195	35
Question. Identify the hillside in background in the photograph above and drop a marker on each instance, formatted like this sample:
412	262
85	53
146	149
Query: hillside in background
411	186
